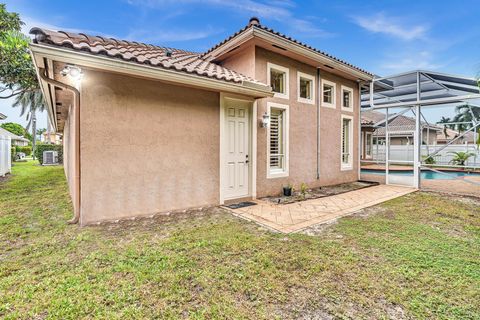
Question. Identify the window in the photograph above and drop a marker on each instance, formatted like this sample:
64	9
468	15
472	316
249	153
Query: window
328	94
306	93
347	143
277	77
347	98
277	156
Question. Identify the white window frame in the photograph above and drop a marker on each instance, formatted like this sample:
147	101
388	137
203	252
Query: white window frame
275	173
367	140
334	94
347	89
349	165
312	88
287	79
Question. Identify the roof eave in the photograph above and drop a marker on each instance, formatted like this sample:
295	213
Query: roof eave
292	46
85	59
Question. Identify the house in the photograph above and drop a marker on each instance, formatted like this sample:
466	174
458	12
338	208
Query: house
446	135
51	138
236	122
16	140
400	129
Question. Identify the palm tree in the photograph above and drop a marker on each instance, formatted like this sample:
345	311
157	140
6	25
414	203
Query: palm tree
466	113
446	125
30	102
460	157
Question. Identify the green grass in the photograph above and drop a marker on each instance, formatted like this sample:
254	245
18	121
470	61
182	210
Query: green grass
416	256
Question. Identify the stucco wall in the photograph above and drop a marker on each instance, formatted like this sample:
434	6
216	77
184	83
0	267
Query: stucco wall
146	147
303	132
69	152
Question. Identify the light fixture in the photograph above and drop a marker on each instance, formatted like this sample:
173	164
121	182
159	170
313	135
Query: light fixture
265	120
73	71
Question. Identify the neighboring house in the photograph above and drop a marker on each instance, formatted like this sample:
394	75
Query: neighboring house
51	138
468	138
212	130
16	140
400	128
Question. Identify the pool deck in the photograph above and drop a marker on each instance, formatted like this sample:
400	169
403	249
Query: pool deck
293	217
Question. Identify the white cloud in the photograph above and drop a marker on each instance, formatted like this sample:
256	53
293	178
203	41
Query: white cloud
147	36
279	10
423	60
399	28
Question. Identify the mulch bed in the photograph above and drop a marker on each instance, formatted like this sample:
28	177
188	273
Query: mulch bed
320	192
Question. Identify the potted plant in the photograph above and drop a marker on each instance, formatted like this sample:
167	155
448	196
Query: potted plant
287	190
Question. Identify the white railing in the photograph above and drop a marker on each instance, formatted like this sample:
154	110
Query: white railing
5	155
444	157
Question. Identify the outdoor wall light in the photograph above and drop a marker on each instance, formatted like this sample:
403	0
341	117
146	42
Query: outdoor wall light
73	71
265	120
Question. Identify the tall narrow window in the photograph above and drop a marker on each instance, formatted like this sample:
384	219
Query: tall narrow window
328	94
347	143
277	77
306	93
347	98
368	145
278	141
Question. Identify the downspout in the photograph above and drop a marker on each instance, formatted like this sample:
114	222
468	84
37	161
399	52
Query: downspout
318	122
76	95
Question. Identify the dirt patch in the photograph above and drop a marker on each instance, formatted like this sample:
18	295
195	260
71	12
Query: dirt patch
4	178
320	192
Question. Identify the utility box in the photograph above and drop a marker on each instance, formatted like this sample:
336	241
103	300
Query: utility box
50	158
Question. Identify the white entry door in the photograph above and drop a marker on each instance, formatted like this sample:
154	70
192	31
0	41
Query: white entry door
237	146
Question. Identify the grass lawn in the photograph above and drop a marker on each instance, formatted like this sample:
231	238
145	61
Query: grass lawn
413	257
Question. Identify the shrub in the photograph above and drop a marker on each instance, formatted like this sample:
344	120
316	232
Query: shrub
40	148
13	153
26	149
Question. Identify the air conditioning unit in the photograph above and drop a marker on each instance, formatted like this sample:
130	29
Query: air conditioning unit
50	158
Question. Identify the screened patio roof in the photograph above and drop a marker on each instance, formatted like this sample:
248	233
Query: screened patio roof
419	87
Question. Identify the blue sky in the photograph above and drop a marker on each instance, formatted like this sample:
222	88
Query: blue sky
384	37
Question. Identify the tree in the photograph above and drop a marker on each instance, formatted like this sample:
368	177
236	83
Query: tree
17	73
30	102
466	113
446	125
14	128
460	157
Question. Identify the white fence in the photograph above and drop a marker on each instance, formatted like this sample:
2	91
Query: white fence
444	157
5	155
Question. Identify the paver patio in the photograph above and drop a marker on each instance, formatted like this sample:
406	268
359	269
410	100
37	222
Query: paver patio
296	216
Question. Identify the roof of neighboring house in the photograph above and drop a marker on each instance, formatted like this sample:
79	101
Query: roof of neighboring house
156	56
468	137
255	23
372	117
13	136
397	122
2	116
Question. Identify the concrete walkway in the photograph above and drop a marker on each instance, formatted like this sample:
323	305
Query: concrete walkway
296	216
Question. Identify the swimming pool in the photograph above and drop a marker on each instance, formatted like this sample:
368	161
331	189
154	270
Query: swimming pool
425	174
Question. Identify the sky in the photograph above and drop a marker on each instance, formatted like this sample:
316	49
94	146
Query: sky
383	37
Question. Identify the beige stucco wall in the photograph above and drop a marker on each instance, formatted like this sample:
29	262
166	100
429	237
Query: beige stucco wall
69	153
146	147
303	132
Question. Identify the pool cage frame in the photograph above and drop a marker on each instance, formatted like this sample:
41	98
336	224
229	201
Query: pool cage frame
413	91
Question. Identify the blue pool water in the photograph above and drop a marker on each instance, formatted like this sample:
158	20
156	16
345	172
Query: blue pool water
425	174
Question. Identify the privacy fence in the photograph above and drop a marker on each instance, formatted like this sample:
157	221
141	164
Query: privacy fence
5	155
405	153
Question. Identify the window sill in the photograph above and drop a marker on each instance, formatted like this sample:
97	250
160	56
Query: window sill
328	105
346	167
280	95
306	101
349	109
277	174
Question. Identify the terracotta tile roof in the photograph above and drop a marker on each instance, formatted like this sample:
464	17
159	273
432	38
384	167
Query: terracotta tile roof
261	27
372	117
404	123
162	57
468	137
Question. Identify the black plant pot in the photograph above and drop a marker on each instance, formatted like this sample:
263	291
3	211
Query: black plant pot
287	191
